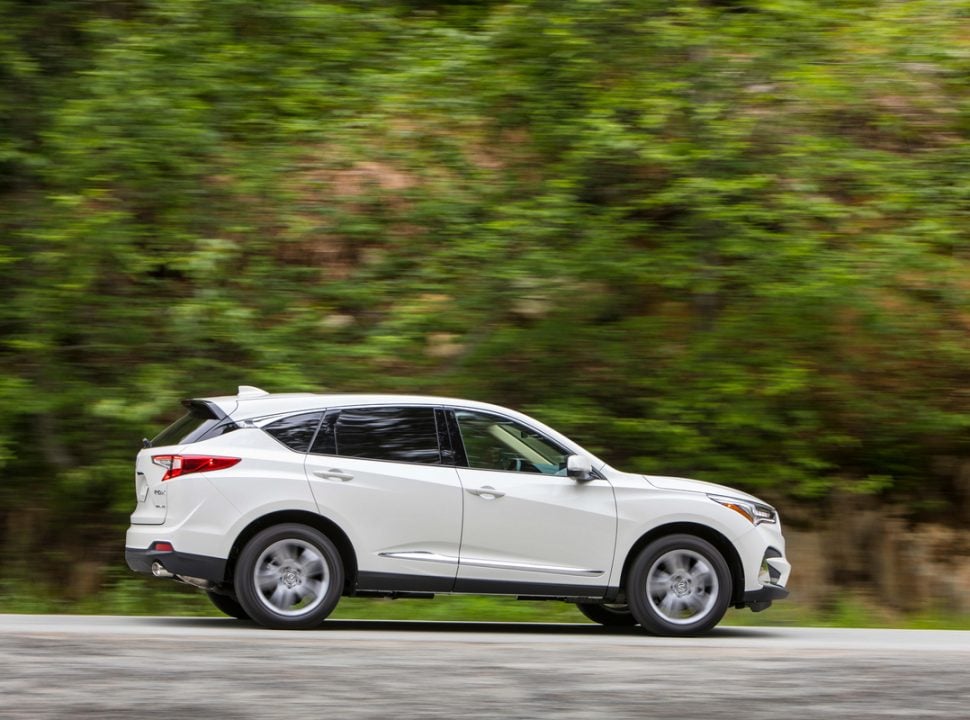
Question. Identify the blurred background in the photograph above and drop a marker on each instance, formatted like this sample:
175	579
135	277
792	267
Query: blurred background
722	239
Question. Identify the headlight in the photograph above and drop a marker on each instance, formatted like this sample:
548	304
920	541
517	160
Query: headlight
753	512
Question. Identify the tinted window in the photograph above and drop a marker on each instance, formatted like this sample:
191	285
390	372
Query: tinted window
197	423
296	431
493	442
399	434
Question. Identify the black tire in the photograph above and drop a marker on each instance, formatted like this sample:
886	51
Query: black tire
690	586
301	575
608	614
228	605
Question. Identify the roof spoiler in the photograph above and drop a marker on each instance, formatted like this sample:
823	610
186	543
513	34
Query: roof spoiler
205	407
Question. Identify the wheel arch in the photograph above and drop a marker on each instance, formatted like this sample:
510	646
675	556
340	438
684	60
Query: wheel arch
719	541
338	537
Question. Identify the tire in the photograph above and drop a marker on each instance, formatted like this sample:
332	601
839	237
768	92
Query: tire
289	577
228	605
679	585
608	614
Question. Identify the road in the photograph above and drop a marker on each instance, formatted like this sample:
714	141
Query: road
120	667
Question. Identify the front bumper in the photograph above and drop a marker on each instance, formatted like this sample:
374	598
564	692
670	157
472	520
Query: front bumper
766	594
178	563
758	600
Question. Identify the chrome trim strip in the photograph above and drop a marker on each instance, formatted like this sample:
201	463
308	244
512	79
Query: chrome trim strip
423	555
426	556
528	567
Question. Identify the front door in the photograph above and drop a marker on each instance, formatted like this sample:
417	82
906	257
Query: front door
529	528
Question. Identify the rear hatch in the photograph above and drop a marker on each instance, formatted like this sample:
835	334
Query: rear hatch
202	419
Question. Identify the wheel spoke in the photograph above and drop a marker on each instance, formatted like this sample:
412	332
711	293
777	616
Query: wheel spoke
279	597
289	551
700	572
311	587
659	584
267	578
314	568
675	563
667	604
694	604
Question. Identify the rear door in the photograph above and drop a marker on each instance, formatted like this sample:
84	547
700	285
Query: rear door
381	473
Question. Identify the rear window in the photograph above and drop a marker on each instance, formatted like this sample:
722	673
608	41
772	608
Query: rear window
296	431
199	423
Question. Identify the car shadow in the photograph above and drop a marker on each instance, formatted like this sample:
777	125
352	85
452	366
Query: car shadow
454	626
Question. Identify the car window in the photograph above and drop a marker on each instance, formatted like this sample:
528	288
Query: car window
493	442
199	423
398	434
296	431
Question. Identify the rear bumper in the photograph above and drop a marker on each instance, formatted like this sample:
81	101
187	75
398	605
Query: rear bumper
177	563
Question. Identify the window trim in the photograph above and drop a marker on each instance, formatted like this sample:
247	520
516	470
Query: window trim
453	433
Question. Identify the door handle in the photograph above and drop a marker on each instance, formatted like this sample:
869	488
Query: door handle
486	492
334	474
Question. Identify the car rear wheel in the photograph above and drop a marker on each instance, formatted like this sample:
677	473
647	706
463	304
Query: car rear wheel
228	605
609	614
289	577
679	585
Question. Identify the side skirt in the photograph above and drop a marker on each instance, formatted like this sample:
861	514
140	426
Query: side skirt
391	584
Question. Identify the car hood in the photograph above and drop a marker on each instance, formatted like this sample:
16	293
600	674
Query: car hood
699	486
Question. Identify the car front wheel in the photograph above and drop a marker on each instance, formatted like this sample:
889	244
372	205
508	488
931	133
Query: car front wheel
289	577
679	585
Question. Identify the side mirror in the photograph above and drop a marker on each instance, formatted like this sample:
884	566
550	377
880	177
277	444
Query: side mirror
579	467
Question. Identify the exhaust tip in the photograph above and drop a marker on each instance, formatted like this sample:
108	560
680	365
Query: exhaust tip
158	570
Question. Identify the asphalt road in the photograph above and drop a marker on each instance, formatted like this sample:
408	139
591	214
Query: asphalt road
117	667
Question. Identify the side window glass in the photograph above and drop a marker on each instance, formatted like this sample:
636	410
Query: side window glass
397	434
296	431
493	442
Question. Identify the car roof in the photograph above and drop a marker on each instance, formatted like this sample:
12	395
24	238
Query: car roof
252	402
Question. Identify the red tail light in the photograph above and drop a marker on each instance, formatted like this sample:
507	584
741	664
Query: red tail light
177	465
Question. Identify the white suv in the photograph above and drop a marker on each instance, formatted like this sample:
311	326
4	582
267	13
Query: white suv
277	505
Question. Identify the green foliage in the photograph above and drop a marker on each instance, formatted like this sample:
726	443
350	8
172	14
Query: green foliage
719	239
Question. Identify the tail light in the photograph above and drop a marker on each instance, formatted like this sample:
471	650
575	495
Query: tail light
178	465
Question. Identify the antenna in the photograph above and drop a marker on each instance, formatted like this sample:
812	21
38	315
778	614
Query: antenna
248	391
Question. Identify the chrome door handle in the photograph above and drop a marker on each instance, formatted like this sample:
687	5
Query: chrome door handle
486	492
334	474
